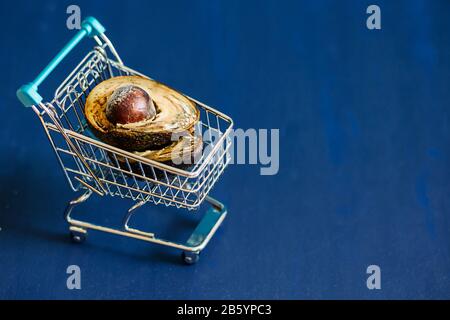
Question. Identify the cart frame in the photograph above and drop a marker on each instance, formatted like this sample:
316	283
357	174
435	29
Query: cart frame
91	166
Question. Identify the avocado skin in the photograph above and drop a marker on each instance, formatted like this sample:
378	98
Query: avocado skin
156	174
132	140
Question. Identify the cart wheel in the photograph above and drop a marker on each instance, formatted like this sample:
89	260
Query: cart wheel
78	237
190	257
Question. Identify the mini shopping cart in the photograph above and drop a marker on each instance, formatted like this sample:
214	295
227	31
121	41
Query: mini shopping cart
92	166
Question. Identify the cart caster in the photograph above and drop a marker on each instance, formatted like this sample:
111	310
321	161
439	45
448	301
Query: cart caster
78	236
190	257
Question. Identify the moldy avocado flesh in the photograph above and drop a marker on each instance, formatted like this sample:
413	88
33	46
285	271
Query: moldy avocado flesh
174	114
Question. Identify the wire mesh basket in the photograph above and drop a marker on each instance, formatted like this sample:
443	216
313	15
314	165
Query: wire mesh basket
91	165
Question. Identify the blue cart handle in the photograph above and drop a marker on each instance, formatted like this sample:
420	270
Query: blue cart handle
28	93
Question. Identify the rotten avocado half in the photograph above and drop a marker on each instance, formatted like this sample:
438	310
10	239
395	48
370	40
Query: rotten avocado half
152	122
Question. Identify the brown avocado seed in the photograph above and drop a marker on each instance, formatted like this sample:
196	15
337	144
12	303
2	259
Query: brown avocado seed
129	104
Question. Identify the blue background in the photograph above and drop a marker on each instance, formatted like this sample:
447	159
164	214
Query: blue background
364	121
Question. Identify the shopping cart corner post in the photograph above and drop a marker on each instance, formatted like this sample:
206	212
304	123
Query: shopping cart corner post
77	233
28	95
93	27
204	231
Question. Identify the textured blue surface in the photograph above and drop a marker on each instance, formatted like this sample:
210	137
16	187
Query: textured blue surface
364	178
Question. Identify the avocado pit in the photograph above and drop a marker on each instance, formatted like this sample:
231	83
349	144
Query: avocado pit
129	104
